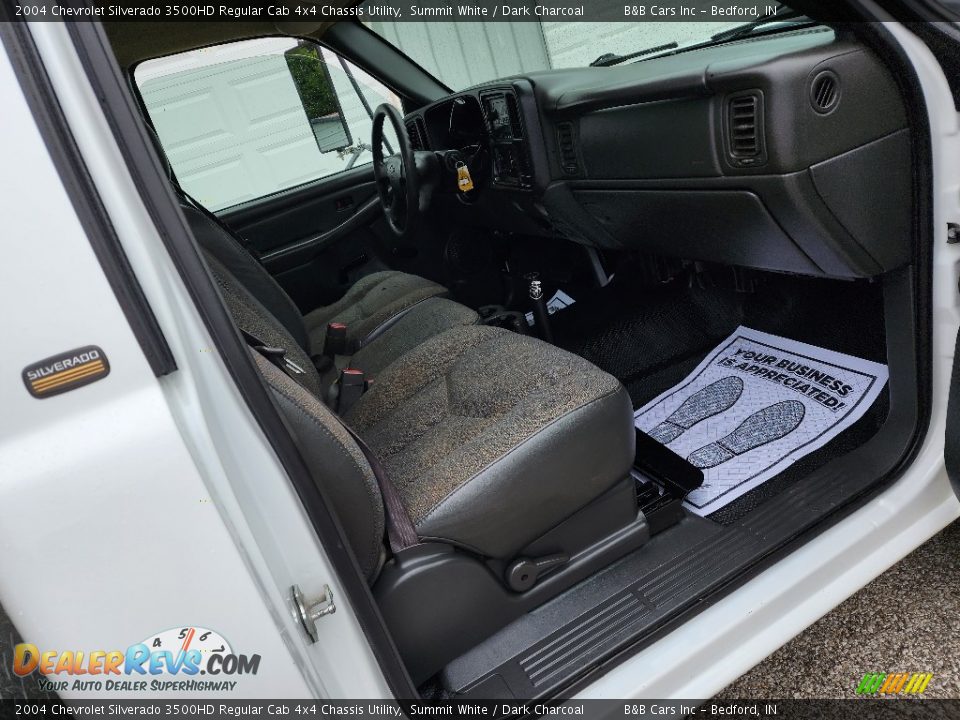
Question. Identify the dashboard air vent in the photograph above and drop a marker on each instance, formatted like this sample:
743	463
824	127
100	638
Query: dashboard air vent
744	125
744	140
516	126
825	92
413	131
568	148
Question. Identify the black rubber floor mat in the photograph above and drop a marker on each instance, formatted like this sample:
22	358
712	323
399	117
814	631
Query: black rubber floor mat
645	338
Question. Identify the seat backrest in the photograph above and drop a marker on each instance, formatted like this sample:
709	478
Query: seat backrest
264	311
220	241
222	244
336	462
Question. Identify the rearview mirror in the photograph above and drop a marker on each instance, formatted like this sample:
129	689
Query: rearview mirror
319	98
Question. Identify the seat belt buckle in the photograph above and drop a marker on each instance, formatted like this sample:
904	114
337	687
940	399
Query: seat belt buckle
335	342
350	387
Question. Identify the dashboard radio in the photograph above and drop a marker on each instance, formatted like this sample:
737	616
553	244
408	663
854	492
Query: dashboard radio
508	144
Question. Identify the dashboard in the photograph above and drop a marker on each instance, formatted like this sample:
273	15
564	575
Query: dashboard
789	152
488	123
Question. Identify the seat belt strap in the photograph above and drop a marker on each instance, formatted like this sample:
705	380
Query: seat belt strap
401	532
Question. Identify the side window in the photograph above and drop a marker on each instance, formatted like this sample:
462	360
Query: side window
244	120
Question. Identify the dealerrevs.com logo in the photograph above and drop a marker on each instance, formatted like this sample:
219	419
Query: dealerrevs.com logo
176	660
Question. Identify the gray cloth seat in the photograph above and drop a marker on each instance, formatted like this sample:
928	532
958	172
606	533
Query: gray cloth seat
367	308
491	438
370	307
371	304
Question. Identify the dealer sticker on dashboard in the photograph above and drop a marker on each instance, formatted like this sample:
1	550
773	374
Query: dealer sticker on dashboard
66	371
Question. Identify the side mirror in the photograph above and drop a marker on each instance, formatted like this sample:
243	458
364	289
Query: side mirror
319	96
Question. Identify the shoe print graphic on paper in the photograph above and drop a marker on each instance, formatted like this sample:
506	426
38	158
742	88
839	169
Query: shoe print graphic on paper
764	426
707	402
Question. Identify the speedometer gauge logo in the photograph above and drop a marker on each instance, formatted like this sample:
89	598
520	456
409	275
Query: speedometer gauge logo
184	639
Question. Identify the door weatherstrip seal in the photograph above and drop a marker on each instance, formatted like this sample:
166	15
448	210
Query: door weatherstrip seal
93	49
79	187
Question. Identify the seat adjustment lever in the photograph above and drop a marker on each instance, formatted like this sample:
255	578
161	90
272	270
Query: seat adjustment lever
523	573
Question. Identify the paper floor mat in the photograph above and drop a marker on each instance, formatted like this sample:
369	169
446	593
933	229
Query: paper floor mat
756	404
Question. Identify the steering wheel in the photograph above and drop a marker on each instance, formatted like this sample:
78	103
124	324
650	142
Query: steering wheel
397	180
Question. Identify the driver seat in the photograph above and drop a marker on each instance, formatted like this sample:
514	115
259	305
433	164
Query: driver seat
371	306
386	313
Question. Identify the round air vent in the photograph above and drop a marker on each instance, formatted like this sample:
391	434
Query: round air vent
825	92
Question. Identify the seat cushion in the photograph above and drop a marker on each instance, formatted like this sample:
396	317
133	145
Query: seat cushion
420	323
493	438
370	306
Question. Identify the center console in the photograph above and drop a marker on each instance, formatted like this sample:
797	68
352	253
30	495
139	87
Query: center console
508	143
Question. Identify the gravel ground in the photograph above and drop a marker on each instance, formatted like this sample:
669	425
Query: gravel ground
907	620
13	687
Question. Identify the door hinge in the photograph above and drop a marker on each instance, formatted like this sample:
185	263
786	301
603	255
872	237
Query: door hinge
953	232
309	612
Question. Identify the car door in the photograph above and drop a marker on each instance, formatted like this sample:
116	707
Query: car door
943	39
272	135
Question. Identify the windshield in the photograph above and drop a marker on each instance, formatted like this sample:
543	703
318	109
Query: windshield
464	54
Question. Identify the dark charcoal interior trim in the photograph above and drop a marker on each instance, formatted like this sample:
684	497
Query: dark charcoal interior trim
286	257
545	655
126	122
673	574
86	202
686	189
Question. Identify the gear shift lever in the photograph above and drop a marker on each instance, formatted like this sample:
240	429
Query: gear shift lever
541	316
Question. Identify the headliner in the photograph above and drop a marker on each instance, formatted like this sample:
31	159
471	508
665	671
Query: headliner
133	42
